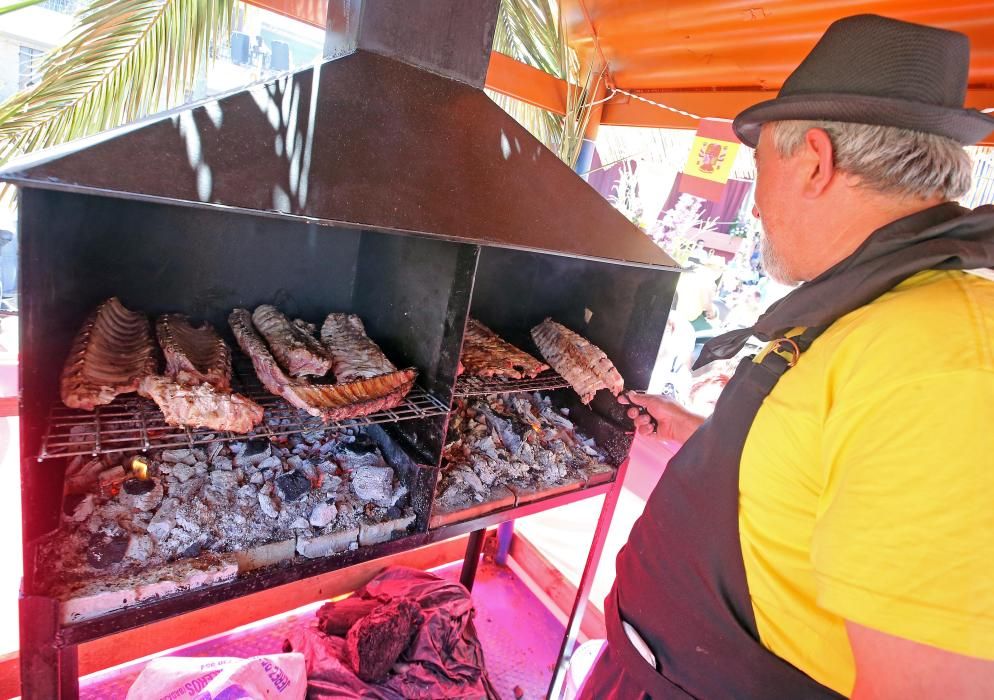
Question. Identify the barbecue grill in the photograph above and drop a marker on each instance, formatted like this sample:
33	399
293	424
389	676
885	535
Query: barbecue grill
382	182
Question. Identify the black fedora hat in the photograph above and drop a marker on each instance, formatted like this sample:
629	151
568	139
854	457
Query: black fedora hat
868	69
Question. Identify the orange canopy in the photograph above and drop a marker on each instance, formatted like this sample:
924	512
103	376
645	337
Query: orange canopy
708	57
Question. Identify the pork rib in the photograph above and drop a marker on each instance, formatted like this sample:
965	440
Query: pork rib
109	356
194	354
327	401
354	355
580	362
295	348
201	405
486	354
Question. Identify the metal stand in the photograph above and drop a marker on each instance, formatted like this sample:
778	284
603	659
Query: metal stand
586	582
41	677
472	560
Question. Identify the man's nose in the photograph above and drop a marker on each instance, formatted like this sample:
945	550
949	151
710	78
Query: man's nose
755	211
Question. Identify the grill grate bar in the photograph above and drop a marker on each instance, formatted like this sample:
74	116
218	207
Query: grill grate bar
131	423
480	386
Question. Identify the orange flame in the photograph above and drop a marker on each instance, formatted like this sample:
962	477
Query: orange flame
139	467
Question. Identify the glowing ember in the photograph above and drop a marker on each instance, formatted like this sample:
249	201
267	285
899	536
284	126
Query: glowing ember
139	467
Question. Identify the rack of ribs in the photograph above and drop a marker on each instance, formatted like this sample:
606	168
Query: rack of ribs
201	405
327	401
194	354
580	362
354	355
486	354
296	349
110	355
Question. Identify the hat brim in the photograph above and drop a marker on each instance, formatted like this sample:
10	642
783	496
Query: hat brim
965	126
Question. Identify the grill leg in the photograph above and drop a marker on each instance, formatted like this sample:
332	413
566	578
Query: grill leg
505	533
472	559
39	656
69	673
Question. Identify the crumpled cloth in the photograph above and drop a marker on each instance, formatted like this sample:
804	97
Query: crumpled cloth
443	660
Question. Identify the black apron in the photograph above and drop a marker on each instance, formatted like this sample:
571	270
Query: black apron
681	580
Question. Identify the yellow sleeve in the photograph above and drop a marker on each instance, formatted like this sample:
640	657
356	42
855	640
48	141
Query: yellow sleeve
904	538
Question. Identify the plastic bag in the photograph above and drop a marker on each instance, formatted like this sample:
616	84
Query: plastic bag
280	676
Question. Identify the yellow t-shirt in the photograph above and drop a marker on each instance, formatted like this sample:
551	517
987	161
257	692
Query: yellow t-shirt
867	481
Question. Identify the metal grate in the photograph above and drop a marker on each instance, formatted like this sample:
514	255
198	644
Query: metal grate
479	386
132	423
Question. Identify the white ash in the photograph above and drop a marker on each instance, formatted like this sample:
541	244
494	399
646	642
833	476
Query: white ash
222	498
511	440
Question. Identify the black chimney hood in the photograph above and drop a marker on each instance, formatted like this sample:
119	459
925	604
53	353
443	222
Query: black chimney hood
393	134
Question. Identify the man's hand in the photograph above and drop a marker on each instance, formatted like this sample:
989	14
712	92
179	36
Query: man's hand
661	418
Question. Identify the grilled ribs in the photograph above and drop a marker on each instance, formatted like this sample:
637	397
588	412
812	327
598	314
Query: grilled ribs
354	355
292	343
194	354
486	354
201	405
580	362
110	354
327	401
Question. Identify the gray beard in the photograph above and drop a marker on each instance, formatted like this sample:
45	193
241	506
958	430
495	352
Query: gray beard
774	263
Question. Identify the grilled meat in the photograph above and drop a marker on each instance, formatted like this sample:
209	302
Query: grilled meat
194	354
327	401
580	362
110	354
486	354
201	405
293	344
354	355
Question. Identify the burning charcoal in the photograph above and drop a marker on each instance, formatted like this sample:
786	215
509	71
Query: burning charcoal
375	642
224	480
185	456
293	486
267	505
331	483
257	478
187	490
104	551
294	462
300	524
248	491
139	548
94	523
78	506
199	455
328	447
214	451
256	450
373	483
272	462
323	514
111	476
183	472
161	525
200	468
141	494
221	462
187	520
307	469
192	551
337	617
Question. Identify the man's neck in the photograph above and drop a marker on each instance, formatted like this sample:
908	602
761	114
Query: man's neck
848	225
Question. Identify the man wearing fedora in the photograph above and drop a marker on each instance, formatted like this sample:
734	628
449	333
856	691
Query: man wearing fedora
829	531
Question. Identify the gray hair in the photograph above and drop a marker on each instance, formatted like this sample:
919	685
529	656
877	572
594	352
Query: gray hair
886	158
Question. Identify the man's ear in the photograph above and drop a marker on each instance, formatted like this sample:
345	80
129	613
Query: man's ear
818	163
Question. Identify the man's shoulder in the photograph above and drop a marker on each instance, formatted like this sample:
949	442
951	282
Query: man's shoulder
937	321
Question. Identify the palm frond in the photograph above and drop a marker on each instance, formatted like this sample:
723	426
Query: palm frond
124	59
532	31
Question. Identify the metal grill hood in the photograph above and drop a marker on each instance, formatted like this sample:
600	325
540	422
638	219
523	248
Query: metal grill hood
395	135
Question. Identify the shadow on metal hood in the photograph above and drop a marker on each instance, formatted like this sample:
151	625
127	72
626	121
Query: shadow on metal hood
394	133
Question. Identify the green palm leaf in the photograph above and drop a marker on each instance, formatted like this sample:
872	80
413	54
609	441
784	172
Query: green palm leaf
124	59
531	31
